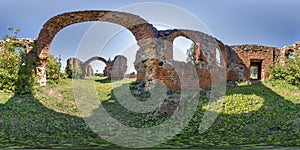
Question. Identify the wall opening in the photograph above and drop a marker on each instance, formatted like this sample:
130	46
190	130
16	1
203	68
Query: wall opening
255	69
219	57
183	49
98	69
290	54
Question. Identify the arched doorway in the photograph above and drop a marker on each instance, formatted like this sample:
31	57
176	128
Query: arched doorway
136	25
107	65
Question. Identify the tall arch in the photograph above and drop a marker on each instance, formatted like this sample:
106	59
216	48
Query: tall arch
86	63
139	27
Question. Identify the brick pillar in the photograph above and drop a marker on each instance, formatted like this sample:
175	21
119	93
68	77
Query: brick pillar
41	73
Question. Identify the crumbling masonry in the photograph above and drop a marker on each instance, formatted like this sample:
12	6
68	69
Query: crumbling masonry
154	60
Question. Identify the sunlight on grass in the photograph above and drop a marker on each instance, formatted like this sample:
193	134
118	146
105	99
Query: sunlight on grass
288	91
258	113
4	97
239	103
104	89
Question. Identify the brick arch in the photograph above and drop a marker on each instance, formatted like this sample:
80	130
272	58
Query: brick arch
95	58
206	43
86	63
139	27
287	52
224	53
195	36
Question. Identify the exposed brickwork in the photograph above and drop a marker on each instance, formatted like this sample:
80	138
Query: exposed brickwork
154	60
254	53
140	28
75	62
118	67
86	64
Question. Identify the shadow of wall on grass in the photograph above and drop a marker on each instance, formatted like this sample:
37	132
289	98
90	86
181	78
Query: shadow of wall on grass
26	123
275	123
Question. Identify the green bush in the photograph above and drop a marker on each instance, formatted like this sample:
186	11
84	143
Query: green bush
17	69
53	69
11	54
289	72
9	69
74	72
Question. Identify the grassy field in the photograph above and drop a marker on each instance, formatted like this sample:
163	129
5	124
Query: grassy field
260	115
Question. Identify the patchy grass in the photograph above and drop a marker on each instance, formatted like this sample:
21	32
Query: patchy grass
4	97
260	115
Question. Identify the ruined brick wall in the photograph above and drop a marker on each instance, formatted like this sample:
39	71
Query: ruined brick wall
75	62
140	28
28	43
143	32
86	67
154	60
118	67
163	70
246	53
286	50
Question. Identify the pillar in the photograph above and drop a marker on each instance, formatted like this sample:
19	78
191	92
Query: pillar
41	73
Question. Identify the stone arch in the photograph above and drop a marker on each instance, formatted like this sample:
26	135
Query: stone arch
25	43
223	52
289	52
139	27
206	42
207	52
86	63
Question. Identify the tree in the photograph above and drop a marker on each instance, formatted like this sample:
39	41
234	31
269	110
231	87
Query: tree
13	71
191	53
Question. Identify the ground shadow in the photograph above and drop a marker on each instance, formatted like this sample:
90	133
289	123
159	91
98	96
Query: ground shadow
275	124
105	80
26	123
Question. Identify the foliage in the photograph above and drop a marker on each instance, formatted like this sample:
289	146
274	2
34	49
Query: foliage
16	69
98	74
53	69
74	72
289	72
191	53
11	55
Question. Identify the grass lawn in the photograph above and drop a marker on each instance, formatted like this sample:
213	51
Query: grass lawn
261	115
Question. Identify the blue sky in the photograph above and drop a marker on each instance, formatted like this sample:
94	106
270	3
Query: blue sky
264	22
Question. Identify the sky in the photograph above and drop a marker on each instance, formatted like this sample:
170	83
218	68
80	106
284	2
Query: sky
264	22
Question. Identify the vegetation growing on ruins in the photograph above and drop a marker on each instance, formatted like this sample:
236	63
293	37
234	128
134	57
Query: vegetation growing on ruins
289	72
17	69
264	114
257	115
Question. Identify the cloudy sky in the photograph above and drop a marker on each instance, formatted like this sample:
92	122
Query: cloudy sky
264	22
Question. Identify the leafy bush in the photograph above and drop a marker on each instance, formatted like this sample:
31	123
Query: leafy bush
11	54
74	72
53	69
17	69
290	72
9	69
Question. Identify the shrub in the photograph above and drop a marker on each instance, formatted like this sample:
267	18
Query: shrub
74	71
11	54
9	69
53	69
290	72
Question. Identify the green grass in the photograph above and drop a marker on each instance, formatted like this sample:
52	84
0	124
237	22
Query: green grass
261	115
